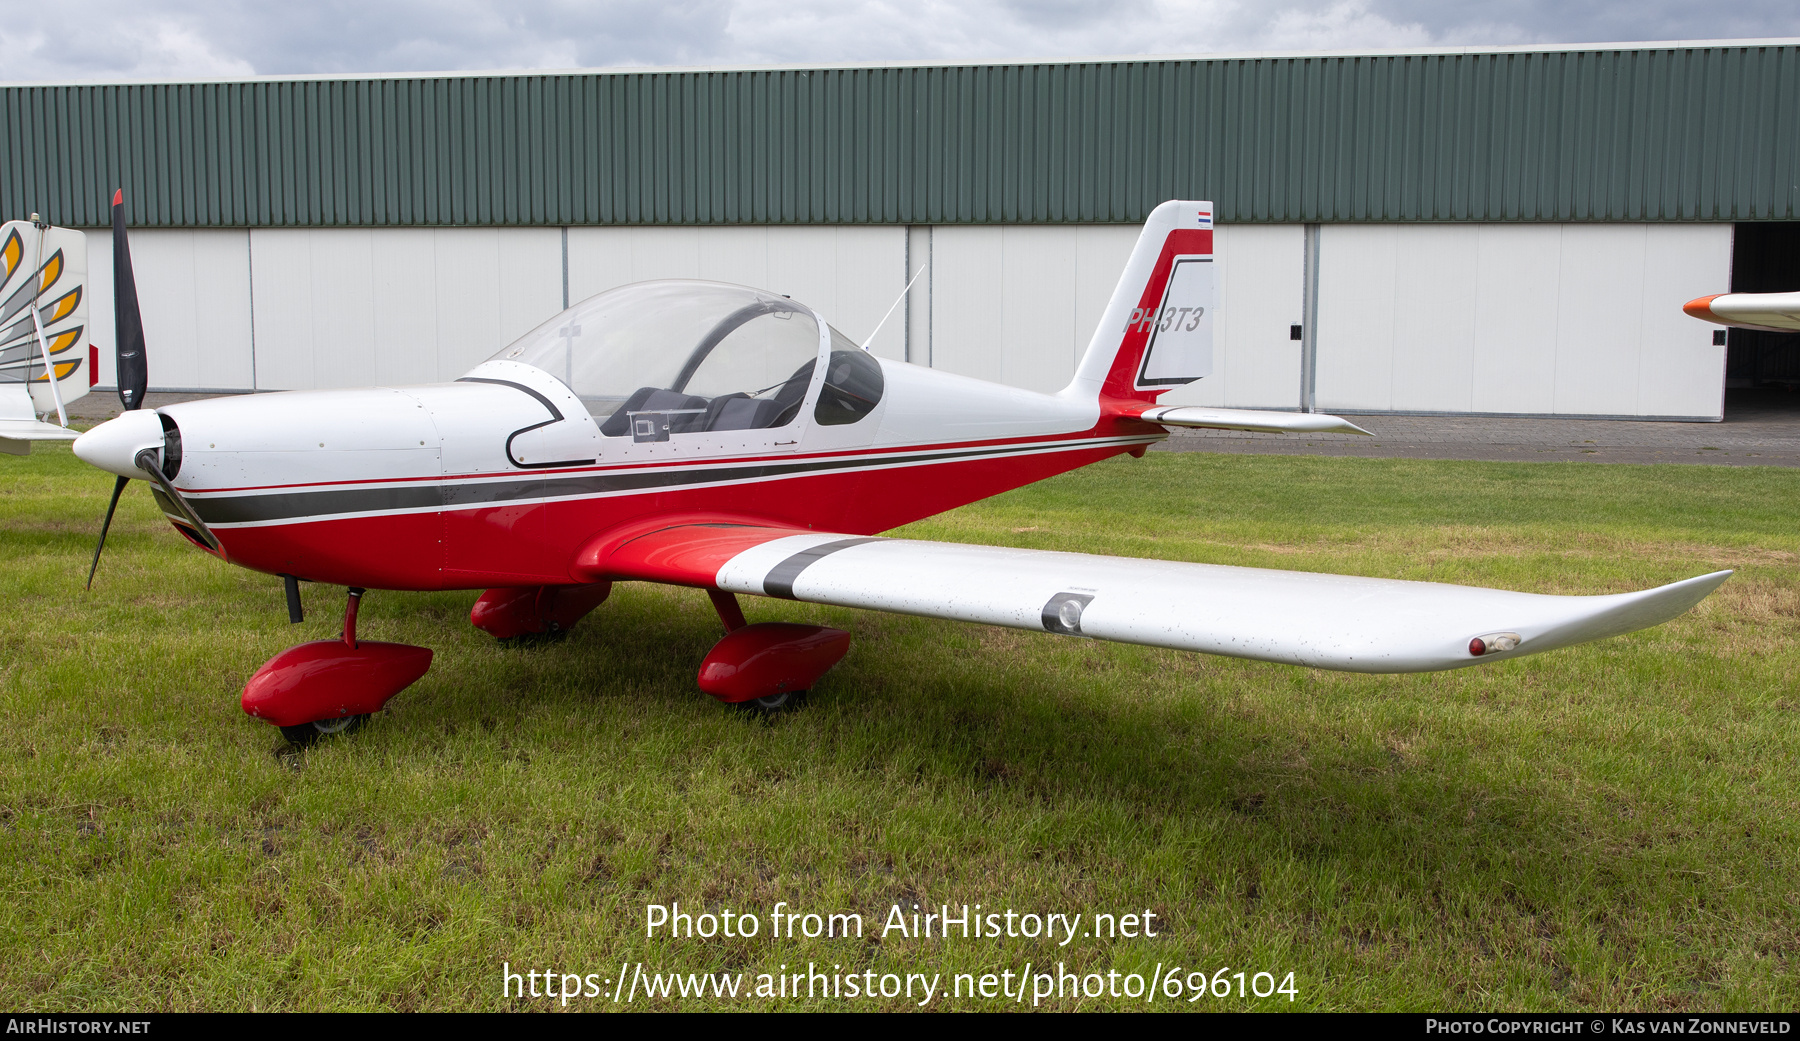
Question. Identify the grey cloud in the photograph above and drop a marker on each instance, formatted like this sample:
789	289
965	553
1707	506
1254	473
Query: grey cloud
1076	13
102	39
1542	21
175	38
340	36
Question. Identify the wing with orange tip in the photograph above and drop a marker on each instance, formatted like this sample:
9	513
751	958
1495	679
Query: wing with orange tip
1768	312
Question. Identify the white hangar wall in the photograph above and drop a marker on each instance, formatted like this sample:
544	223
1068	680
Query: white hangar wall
353	307
1017	304
194	290
1567	319
1578	319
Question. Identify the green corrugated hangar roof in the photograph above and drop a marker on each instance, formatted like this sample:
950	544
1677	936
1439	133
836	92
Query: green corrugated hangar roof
1623	132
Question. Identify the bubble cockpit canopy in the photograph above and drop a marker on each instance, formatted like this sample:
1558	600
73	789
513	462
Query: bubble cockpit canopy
697	356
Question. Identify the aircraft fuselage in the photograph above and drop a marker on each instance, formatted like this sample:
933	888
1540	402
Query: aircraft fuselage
481	482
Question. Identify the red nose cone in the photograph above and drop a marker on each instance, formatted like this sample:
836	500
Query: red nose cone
118	196
1477	648
1702	308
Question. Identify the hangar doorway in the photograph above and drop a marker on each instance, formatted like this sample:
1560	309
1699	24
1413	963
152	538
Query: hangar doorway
1762	370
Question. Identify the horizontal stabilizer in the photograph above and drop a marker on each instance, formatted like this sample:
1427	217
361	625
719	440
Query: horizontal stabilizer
16	435
1250	419
1298	618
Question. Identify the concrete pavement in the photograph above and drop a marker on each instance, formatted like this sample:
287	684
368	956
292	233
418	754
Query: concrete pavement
1761	428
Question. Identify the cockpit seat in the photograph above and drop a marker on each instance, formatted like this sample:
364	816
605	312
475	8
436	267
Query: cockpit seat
741	412
656	399
787	399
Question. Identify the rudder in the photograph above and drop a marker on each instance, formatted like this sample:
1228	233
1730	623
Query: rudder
1156	332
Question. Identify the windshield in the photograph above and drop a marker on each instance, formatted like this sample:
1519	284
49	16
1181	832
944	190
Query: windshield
663	357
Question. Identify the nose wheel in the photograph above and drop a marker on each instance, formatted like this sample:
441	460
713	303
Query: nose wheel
332	686
772	704
307	733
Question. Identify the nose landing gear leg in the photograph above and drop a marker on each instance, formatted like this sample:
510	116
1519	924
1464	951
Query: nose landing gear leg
332	686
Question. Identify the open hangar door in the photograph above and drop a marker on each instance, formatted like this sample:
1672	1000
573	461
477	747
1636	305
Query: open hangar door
1520	319
1765	258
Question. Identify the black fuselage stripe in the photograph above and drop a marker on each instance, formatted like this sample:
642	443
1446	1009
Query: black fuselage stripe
273	506
780	579
239	509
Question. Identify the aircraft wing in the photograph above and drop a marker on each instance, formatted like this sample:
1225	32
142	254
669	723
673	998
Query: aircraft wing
1770	312
1298	618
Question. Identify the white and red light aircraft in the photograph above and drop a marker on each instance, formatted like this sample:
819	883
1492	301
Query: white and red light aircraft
728	439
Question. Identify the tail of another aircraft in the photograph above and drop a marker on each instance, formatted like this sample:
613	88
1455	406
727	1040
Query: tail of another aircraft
1156	332
44	364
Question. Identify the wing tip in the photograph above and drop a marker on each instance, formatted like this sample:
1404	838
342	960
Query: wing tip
1678	598
1701	308
1626	613
1687	592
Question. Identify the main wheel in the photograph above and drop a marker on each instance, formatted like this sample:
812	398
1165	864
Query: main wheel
772	704
307	733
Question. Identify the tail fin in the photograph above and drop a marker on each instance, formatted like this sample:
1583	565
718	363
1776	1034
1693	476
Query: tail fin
1156	332
44	314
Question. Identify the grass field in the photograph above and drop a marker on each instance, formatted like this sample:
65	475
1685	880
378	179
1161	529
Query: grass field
1612	826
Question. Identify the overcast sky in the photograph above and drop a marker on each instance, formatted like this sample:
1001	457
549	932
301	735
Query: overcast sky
149	39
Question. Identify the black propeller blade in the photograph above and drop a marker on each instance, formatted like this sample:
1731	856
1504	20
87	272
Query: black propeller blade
118	487
133	369
128	321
